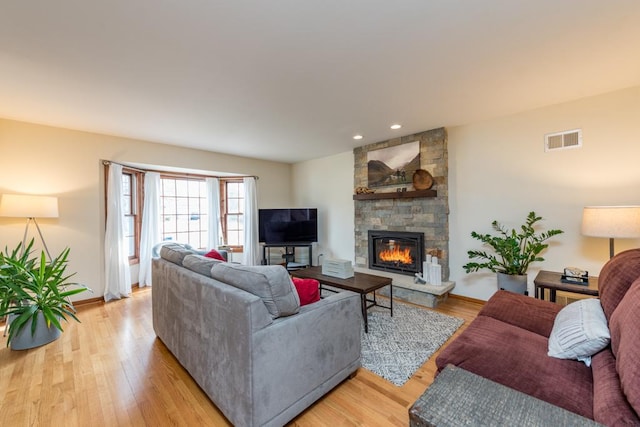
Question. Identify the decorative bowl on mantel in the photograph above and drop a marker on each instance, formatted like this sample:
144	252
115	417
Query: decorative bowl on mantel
422	180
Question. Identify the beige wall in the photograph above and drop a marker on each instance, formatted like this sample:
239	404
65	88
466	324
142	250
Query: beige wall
65	163
327	184
498	170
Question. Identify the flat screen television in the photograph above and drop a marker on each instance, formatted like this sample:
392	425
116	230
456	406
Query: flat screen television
282	226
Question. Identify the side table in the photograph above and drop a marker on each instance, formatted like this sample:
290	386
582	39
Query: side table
552	280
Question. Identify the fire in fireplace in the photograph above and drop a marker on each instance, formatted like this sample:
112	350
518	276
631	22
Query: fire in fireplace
396	251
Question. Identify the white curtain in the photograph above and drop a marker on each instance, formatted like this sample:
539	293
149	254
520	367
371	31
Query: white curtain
116	262
251	245
150	233
213	203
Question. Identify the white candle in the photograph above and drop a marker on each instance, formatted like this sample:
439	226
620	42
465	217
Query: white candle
436	275
426	271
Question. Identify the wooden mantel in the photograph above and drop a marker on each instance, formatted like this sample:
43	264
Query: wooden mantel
396	195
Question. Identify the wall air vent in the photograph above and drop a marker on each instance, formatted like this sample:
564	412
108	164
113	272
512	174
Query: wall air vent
563	140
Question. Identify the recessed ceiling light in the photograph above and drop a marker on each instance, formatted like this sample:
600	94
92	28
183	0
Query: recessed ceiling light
357	136
396	126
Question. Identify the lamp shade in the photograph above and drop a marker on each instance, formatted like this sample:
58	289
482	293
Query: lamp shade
611	221
28	206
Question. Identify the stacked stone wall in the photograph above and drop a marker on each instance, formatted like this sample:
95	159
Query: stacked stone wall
429	215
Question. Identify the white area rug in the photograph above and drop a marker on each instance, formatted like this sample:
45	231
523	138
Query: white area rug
397	346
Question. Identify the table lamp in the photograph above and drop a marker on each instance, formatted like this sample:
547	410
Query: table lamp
622	222
30	207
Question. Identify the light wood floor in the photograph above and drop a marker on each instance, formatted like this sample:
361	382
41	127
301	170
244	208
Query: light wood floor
111	370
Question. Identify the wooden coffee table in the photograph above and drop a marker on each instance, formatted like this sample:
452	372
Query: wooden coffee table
361	283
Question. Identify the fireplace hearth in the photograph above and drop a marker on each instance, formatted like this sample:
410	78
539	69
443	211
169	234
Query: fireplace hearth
396	251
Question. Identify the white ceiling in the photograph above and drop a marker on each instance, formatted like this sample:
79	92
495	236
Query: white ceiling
291	80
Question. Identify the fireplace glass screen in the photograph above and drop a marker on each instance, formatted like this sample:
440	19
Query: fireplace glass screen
396	251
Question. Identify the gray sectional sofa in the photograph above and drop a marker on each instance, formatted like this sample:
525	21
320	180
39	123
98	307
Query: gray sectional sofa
241	334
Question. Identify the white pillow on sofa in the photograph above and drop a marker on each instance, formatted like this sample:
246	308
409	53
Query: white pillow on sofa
579	331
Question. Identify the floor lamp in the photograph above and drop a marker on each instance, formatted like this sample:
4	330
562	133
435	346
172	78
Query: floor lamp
30	207
621	222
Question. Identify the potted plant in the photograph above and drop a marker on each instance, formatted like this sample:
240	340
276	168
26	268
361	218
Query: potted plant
34	294
514	252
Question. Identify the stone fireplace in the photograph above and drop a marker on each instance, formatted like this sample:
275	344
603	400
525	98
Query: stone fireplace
399	208
396	251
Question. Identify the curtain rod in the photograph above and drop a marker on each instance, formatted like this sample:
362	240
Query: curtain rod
108	162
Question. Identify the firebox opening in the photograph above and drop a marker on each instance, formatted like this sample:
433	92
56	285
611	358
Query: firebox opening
396	251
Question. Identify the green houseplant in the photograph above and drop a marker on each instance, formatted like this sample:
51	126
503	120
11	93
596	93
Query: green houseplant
514	251
34	294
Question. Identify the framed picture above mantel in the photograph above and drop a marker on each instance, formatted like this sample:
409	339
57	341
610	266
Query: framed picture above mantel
393	166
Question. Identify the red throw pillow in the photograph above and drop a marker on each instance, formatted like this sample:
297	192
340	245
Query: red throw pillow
308	290
215	255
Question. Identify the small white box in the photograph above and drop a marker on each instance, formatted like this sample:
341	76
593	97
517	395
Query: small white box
340	268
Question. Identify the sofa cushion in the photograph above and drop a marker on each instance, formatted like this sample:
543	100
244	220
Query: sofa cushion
270	282
610	406
522	311
616	277
579	331
625	344
174	252
517	358
200	264
308	290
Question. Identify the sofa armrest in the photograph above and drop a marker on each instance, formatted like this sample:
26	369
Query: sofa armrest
522	311
300	357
